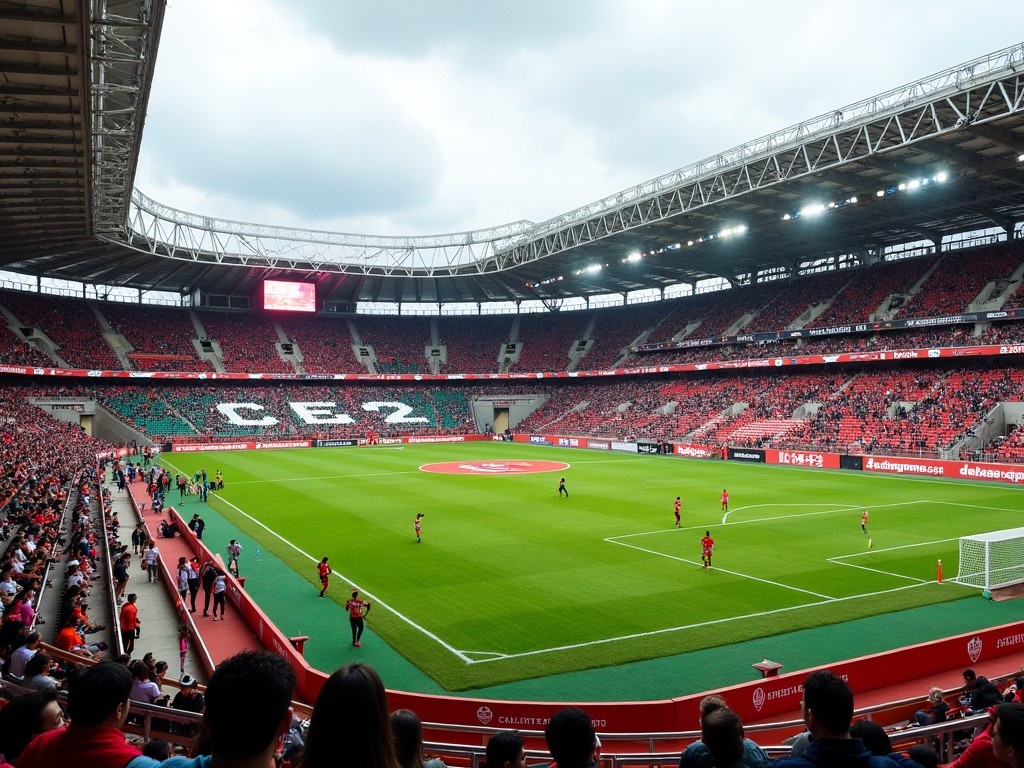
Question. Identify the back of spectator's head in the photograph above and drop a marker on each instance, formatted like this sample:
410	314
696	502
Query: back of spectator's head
1008	734
571	738
408	733
505	750
38	664
158	749
924	756
710	703
828	704
873	735
722	733
25	717
970	677
96	693
32	638
248	704
351	710
935	694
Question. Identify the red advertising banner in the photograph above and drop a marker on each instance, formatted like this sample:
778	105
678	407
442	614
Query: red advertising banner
802	459
962	470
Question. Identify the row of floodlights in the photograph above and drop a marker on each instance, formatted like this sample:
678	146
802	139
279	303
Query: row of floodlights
815	209
739	229
812	209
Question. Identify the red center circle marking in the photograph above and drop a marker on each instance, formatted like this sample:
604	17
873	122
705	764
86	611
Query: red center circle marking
494	467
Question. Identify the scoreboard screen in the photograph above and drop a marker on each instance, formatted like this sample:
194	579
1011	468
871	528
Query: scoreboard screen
289	296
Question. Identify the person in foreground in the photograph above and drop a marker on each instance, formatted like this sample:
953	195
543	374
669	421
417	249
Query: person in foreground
248	710
1008	734
350	724
828	712
505	750
571	738
698	754
97	708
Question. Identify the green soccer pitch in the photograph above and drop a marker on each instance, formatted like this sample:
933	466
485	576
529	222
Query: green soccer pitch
512	581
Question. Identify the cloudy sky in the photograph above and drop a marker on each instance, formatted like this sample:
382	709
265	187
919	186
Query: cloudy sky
430	116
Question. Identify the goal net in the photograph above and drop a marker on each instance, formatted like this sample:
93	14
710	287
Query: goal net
991	560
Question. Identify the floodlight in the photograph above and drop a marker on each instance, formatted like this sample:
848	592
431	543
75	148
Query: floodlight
880	193
812	209
941	176
634	256
787	217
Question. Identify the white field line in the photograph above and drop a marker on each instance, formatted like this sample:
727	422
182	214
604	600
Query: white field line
843	508
292	479
840	559
667	630
721	570
455	651
497	656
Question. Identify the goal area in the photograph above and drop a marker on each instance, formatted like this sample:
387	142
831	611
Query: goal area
992	560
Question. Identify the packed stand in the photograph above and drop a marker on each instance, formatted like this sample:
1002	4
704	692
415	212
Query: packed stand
474	343
161	337
548	339
18	352
958	280
399	343
325	343
247	342
618	327
868	288
70	323
794	297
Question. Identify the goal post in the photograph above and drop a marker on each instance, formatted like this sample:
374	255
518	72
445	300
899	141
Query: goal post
992	560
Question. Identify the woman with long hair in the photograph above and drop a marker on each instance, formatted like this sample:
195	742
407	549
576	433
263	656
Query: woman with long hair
350	723
408	733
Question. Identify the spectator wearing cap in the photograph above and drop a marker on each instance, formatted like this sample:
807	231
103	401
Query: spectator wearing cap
188	699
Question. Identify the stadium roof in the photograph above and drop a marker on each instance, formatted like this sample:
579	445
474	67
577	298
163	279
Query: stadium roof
925	161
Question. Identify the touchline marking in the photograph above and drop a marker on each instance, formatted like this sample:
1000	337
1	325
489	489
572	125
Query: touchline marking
322	477
401	616
722	570
712	622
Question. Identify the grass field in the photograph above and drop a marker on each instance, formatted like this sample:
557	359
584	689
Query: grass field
513	582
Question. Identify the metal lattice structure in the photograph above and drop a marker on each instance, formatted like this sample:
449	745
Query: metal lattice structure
78	74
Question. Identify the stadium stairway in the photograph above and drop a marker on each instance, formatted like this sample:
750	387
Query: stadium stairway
156	602
159	604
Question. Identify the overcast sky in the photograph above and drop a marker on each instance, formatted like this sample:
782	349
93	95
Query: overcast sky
430	116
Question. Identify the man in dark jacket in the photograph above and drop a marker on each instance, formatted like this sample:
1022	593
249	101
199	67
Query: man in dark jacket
982	691
828	711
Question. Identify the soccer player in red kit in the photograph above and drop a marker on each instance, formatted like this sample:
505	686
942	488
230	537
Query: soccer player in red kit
725	500
864	521
676	507
418	526
324	571
356	614
707	548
